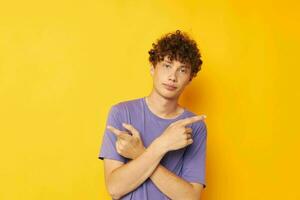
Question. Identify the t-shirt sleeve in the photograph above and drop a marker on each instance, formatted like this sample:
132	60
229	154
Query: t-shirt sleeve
194	158
108	147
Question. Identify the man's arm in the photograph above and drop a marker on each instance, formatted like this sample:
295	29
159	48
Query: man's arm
174	186
174	138
167	182
132	174
192	172
193	168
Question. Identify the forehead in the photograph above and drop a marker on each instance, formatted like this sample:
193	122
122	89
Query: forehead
174	61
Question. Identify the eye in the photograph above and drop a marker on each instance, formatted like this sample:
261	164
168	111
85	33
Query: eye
183	70
166	65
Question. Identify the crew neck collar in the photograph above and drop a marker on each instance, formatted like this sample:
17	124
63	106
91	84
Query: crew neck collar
160	118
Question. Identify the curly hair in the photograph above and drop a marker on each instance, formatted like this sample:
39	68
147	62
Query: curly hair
179	46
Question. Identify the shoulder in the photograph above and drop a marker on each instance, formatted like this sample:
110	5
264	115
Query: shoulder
125	106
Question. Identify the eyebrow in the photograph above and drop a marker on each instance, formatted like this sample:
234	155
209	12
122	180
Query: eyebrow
185	66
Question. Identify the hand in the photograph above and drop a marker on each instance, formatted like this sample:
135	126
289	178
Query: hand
177	136
129	146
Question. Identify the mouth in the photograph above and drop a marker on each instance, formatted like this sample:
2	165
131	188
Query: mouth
170	87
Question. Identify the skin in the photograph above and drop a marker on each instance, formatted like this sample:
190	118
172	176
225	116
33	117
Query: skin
163	103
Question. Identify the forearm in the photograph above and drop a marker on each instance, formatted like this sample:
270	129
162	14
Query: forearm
172	185
132	174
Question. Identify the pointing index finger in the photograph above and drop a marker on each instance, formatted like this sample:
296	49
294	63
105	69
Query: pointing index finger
114	130
193	119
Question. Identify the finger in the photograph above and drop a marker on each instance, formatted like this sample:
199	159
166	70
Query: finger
189	136
191	120
190	141
118	148
131	129
125	136
122	142
118	133
115	131
188	130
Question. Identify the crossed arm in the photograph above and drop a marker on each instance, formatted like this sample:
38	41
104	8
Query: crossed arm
145	164
174	186
135	172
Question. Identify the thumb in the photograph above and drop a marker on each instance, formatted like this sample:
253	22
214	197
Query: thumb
131	129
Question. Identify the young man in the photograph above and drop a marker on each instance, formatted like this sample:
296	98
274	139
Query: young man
153	148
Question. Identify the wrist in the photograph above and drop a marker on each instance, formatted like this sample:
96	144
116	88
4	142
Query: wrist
160	145
143	149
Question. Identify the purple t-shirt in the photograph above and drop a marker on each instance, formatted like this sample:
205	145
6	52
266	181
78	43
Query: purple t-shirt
187	163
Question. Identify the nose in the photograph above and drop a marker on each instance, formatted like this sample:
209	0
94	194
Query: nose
172	76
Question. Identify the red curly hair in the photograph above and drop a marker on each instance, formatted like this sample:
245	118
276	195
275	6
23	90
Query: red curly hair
179	46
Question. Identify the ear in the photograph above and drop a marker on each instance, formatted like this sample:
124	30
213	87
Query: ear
151	70
191	77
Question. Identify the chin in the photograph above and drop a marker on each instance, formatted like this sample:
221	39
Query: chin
169	95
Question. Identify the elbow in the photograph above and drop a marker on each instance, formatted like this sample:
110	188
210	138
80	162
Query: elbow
190	196
193	196
196	197
114	195
113	192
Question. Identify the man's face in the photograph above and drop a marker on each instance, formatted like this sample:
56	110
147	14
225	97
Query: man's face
170	77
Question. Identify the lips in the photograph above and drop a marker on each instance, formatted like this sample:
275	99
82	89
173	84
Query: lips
170	87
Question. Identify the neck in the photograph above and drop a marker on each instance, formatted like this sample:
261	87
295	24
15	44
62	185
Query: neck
163	107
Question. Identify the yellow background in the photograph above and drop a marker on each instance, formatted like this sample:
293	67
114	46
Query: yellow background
64	63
